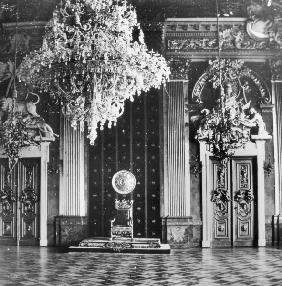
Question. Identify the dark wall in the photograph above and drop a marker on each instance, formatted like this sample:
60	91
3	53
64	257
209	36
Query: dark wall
132	145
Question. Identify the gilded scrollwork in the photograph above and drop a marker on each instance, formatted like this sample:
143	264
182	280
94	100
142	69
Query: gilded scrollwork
28	196
195	166
244	176
220	197
191	44
244	199
123	204
7	197
220	182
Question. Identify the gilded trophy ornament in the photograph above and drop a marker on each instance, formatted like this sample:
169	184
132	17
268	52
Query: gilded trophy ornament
123	182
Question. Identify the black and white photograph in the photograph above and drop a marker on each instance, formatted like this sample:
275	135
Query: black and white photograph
140	142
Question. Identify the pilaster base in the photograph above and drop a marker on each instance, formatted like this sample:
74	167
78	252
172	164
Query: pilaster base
70	230
182	232
43	242
275	230
206	244
261	242
279	223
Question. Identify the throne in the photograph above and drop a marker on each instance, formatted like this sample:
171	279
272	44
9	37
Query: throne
122	239
124	183
122	224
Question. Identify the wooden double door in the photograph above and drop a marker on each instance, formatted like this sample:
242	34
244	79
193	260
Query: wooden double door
19	202
234	196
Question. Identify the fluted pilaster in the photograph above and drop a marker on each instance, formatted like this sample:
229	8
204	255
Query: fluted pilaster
277	126
72	191
176	152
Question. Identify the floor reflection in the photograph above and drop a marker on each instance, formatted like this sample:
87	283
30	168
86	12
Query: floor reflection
48	266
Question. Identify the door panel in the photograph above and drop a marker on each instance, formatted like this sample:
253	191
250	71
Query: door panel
243	211
221	209
8	206
233	203
19	203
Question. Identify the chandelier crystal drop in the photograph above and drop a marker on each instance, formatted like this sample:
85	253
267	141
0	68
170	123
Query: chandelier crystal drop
94	58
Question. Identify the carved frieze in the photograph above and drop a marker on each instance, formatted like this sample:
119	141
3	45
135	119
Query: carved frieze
199	35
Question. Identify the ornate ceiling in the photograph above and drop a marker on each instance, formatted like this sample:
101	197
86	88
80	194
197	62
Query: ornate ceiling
148	10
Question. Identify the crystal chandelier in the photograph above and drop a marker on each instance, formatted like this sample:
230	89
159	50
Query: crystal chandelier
222	127
94	58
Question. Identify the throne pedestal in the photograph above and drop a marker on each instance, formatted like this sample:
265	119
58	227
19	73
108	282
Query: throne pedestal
122	239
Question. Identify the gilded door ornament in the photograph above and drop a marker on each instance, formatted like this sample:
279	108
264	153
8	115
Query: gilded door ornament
220	176
244	177
244	196
220	198
195	166
28	196
7	197
243	199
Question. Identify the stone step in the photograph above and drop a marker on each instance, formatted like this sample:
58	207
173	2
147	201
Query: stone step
128	245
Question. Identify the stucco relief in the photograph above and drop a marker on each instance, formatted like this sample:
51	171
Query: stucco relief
177	234
263	24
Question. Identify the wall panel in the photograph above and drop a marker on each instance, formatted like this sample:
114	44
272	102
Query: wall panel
132	145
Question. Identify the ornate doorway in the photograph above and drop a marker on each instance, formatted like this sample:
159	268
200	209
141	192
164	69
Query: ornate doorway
247	164
19	203
234	203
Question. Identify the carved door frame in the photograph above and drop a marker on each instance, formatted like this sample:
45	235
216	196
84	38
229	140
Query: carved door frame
255	150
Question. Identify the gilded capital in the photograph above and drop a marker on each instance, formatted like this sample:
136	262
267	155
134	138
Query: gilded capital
276	69
179	68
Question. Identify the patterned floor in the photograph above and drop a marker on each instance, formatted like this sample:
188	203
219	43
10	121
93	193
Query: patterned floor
240	266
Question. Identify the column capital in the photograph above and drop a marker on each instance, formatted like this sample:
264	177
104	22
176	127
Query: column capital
179	68
276	69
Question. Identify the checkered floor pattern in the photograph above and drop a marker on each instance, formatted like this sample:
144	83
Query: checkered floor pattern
32	266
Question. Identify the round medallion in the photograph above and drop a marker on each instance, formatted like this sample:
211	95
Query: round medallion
123	182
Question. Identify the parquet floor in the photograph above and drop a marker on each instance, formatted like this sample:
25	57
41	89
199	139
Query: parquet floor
32	266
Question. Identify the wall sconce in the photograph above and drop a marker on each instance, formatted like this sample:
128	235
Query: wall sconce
195	165
52	168
268	167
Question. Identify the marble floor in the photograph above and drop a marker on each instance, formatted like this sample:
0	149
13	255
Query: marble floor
49	266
